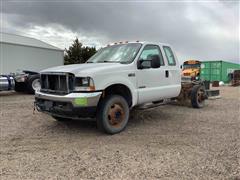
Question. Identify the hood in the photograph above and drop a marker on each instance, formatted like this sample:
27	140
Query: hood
86	68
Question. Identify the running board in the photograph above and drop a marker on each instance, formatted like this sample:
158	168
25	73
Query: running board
153	104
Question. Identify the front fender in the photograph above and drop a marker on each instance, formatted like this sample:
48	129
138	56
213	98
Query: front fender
106	82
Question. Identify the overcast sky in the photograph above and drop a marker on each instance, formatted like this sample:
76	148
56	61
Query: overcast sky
204	30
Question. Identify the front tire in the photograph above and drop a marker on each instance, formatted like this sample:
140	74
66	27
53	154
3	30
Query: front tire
113	114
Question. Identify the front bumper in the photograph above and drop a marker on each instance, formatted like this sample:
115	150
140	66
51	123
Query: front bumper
73	105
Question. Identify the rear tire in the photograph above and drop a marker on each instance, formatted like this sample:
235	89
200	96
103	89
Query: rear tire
198	96
113	114
20	86
33	83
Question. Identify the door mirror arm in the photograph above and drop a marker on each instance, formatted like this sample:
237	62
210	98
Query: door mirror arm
139	64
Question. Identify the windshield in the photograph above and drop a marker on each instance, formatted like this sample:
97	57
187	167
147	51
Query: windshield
122	53
191	66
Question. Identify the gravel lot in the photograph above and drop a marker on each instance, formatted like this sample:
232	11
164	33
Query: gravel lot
169	142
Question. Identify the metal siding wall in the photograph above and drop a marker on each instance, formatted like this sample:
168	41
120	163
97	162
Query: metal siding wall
224	72
206	71
217	70
211	71
16	58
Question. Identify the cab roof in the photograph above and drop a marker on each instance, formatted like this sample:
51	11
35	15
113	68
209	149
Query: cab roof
141	42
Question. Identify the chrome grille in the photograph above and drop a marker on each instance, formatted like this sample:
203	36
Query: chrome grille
57	83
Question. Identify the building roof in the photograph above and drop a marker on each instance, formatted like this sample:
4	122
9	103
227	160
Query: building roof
25	41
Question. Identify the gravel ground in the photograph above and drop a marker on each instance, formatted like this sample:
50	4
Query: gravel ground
168	142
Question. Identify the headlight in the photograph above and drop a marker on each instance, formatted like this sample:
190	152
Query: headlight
84	84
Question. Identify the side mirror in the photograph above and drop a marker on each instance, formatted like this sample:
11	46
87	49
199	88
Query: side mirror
155	61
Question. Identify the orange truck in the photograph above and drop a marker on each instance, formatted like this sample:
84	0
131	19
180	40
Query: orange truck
191	69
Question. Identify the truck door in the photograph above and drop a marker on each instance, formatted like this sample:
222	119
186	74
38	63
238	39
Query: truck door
151	82
172	71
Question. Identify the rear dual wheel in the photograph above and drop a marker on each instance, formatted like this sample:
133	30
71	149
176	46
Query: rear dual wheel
198	96
113	114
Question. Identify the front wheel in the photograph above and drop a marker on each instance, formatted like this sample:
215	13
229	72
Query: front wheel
113	114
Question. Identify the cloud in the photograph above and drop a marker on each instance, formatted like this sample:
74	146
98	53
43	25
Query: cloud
56	34
197	30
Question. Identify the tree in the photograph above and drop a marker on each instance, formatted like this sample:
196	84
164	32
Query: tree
77	53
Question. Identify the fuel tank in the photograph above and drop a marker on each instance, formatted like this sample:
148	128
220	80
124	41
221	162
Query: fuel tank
6	83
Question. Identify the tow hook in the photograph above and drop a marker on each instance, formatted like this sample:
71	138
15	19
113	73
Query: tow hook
36	107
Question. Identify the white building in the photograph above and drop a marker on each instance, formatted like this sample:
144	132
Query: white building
19	53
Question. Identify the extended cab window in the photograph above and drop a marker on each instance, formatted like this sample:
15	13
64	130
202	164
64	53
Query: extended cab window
169	55
148	51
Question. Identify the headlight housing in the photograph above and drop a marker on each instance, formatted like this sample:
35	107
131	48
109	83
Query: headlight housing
84	84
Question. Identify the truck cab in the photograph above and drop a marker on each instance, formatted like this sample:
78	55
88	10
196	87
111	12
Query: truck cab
113	81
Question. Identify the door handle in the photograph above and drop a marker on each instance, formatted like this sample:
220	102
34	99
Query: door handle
131	75
166	73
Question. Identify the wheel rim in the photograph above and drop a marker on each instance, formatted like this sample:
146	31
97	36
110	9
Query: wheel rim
36	84
116	115
200	96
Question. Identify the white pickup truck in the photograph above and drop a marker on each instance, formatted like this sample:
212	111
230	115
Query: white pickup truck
113	81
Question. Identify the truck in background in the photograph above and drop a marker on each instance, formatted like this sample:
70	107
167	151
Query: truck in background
21	60
191	69
27	81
